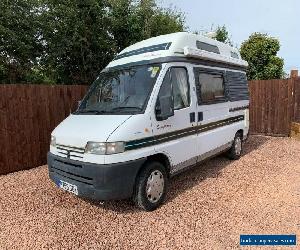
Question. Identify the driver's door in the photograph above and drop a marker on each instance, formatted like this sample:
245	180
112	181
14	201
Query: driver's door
175	136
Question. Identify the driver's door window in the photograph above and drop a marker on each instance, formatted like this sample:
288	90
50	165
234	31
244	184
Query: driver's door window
175	84
181	91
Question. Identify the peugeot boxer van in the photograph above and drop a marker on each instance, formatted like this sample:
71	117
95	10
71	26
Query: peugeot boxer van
161	106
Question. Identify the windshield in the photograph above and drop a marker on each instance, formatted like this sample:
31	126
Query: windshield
120	91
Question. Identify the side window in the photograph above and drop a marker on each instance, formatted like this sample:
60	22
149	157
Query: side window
207	47
211	87
176	83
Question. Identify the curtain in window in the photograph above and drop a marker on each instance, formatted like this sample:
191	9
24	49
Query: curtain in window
181	79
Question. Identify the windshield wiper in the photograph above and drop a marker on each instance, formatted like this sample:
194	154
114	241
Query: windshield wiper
125	107
92	111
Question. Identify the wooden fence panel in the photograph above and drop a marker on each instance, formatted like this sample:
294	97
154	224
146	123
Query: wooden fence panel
272	106
28	114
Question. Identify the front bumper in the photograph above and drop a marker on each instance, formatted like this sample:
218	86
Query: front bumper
95	181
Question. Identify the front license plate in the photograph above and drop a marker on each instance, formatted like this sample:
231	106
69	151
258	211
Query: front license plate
68	187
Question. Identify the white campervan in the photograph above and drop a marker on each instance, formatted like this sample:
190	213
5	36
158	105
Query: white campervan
162	105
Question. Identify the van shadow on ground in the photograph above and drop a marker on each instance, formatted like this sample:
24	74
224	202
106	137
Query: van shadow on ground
188	179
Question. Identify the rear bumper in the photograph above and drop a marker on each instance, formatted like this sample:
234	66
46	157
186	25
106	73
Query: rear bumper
95	181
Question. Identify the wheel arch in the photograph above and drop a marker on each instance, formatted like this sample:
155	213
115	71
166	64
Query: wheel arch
163	159
159	157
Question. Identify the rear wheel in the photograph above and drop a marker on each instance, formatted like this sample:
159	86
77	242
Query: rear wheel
151	186
235	152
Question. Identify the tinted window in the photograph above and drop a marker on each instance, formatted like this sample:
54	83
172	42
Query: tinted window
163	46
207	47
211	86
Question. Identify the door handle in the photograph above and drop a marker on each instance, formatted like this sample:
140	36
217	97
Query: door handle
192	117
200	116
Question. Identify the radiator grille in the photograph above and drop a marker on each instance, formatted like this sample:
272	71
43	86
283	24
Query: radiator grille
70	152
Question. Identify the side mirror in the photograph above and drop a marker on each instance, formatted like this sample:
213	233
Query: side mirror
165	109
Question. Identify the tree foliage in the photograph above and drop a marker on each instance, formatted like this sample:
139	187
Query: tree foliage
77	41
20	45
260	51
70	41
222	35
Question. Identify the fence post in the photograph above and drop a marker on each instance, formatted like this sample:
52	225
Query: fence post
295	80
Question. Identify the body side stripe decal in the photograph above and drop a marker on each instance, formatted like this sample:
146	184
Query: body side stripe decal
154	140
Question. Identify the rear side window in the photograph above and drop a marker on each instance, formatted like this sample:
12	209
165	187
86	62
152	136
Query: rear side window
210	86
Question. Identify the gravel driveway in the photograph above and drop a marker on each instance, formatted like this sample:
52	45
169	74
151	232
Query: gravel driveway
208	207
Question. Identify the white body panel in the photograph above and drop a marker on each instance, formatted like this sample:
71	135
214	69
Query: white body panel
76	130
183	44
137	127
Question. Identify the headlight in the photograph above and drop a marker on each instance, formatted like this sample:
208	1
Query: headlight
114	147
53	141
101	148
98	148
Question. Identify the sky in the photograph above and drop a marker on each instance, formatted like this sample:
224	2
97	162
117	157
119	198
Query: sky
280	19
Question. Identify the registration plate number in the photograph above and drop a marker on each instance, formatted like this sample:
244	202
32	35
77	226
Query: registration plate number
68	187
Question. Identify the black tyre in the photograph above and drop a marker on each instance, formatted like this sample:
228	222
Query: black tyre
235	152
151	186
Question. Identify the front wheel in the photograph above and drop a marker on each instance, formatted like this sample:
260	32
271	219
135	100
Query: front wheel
151	186
235	152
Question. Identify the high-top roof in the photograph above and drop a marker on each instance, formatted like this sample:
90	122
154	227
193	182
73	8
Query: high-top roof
181	44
